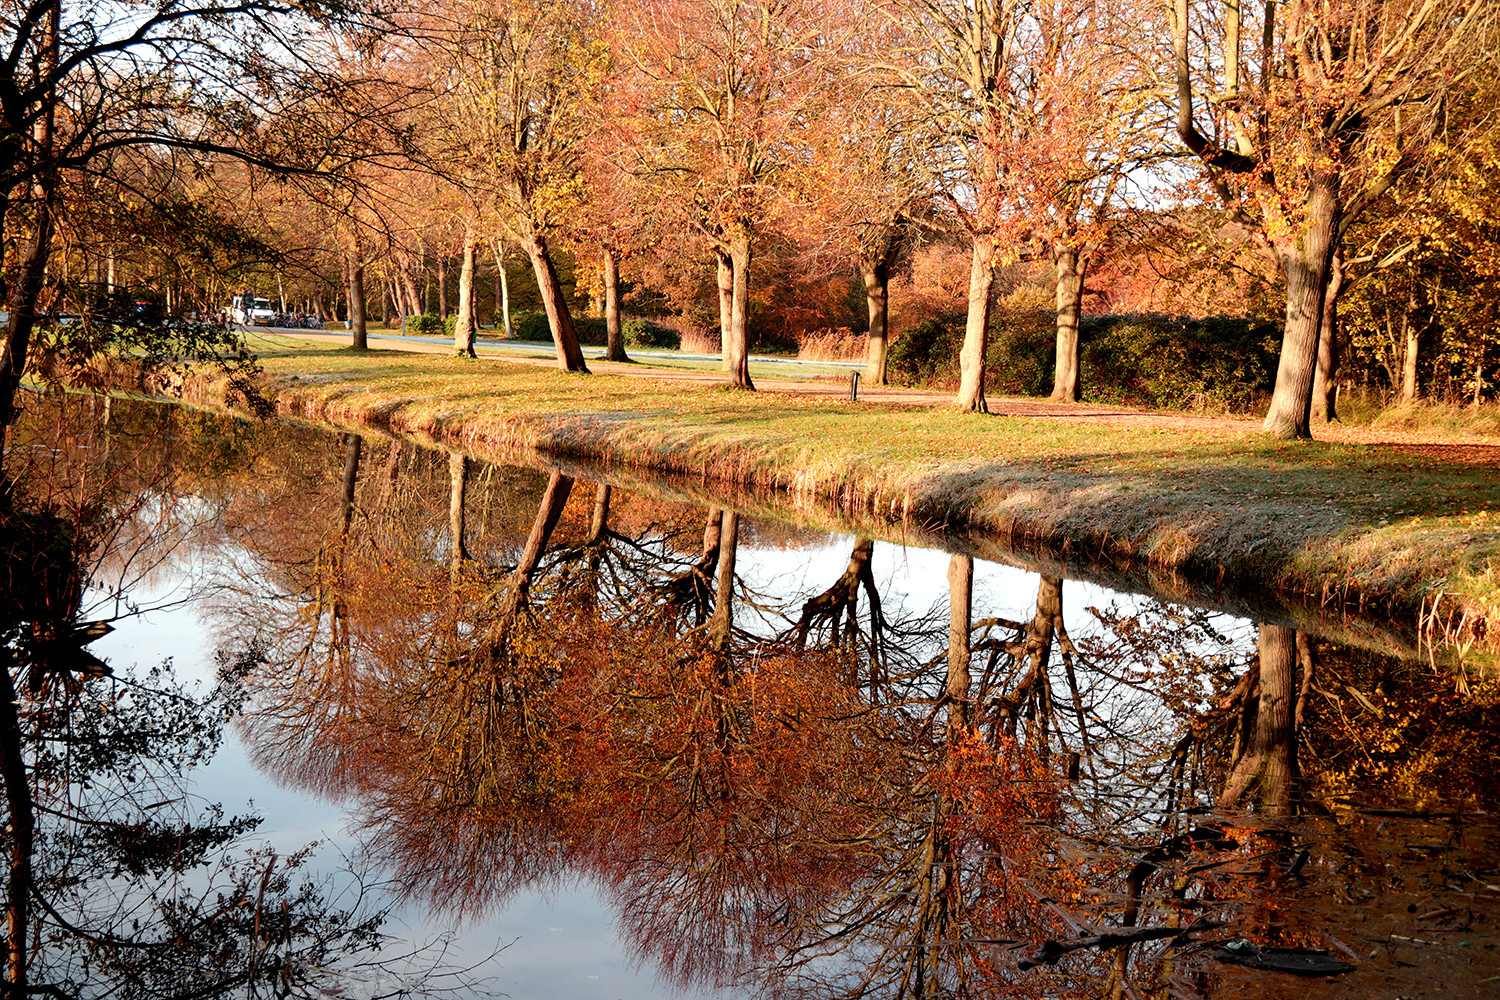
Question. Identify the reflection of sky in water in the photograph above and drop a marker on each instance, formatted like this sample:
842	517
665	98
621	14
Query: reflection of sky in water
561	943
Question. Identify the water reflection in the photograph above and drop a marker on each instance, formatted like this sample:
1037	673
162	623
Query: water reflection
516	678
119	881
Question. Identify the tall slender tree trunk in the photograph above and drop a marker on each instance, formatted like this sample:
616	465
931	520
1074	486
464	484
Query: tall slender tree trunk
414	304
1305	262
960	613
1411	340
615	351
356	279
1325	378
737	347
726	304
877	276
1070	273
24	291
502	287
463	325
442	285
554	302
976	330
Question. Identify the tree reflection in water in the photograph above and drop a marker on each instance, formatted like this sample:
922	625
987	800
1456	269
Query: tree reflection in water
516	678
117	883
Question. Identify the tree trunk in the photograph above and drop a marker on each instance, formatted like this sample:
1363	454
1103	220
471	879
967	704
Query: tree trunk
877	275
615	351
554	302
726	305
414	304
1070	269
1409	359
463	325
960	611
15	349
356	272
502	285
723	620
1305	262
737	346
442	285
1270	757
976	330
1325	389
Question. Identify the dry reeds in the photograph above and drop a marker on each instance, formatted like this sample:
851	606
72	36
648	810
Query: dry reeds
833	344
695	339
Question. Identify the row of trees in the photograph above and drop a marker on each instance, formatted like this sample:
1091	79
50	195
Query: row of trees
682	138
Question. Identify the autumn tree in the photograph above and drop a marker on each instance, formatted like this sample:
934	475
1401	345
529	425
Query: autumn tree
719	86
522	78
1334	106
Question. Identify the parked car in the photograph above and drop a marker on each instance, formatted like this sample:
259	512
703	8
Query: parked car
250	310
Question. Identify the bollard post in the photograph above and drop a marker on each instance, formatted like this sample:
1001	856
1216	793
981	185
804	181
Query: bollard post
854	387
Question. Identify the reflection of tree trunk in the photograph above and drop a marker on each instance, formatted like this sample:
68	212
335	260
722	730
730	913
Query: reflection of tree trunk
600	523
458	479
1269	759
960	613
352	445
839	603
690	589
518	586
22	835
976	330
723	620
463	324
615	337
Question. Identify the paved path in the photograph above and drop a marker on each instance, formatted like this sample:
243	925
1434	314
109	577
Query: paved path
1463	449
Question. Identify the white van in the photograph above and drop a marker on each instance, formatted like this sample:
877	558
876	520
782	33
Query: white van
249	309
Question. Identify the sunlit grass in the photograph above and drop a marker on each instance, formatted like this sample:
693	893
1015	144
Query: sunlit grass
1341	521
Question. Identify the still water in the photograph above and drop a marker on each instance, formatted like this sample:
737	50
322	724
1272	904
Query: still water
452	727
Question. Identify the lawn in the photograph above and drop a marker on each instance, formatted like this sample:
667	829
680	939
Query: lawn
1377	527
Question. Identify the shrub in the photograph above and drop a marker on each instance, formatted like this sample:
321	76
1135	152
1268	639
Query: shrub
1154	361
425	324
644	333
1157	361
1018	358
531	324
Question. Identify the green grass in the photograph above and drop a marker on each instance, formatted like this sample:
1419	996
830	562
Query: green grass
1348	525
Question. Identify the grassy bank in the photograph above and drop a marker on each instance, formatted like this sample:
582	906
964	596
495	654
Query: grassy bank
1372	528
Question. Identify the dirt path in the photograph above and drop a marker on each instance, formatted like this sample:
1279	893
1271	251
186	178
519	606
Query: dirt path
1461	449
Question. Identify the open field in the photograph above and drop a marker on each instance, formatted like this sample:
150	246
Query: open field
1379	520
